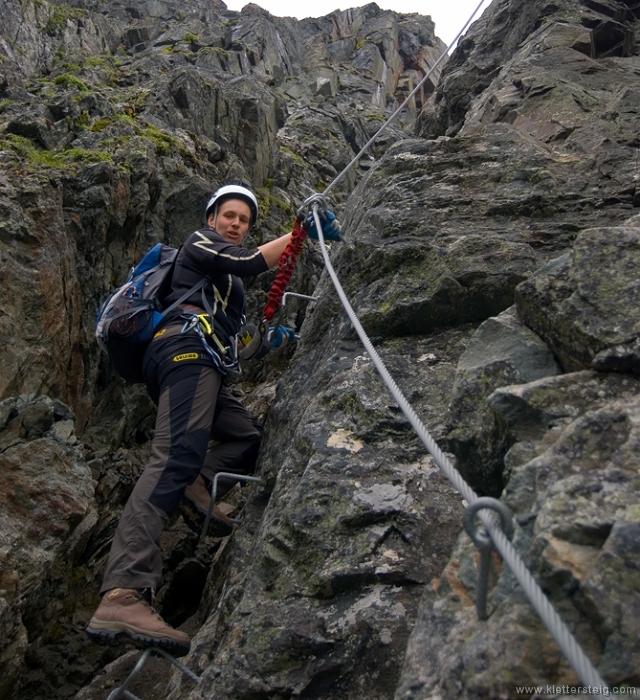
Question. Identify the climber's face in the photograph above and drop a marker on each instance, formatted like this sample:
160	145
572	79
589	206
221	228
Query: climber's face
231	220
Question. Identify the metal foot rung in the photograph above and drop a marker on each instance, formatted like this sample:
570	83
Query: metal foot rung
122	691
229	475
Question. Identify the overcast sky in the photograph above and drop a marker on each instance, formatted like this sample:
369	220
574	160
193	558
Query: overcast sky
449	15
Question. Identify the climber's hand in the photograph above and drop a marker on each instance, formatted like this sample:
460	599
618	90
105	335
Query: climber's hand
281	336
329	223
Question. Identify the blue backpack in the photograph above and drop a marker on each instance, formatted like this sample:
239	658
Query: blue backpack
129	316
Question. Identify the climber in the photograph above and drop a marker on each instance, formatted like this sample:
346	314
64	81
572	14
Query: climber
184	368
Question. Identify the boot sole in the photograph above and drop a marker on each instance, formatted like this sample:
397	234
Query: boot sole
195	521
101	634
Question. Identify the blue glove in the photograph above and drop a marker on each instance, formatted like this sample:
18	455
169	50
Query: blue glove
330	226
281	336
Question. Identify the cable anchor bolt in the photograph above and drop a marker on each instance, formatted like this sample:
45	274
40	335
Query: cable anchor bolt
482	540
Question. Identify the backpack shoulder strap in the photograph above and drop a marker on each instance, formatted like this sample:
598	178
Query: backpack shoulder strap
186	295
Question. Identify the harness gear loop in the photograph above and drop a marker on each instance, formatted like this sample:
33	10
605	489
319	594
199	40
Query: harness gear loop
286	265
203	319
225	357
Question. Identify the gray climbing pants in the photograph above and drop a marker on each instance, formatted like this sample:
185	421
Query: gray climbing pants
193	407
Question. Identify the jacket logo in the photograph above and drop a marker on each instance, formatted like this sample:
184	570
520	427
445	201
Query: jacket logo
186	356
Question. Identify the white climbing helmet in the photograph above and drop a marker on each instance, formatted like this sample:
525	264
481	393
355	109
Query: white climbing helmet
233	192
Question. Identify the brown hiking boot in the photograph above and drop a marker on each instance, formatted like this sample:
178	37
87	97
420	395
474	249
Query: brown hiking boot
195	506
124	612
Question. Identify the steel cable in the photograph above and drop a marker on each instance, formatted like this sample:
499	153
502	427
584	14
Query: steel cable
560	632
557	628
357	157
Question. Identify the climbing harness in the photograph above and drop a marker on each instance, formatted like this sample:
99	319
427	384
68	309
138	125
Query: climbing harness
122	692
224	357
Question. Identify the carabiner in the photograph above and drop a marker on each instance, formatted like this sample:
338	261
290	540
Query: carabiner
309	202
203	319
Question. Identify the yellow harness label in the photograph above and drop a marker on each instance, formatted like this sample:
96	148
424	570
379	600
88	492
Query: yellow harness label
186	356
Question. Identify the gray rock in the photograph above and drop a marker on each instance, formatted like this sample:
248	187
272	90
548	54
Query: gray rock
619	358
575	506
498	47
586	303
46	491
502	351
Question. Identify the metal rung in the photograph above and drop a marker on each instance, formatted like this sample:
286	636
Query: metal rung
229	475
298	296
278	320
122	691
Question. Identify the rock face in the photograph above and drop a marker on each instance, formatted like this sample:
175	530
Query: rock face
47	493
492	255
119	119
359	521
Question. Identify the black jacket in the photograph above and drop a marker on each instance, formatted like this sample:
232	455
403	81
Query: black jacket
206	254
